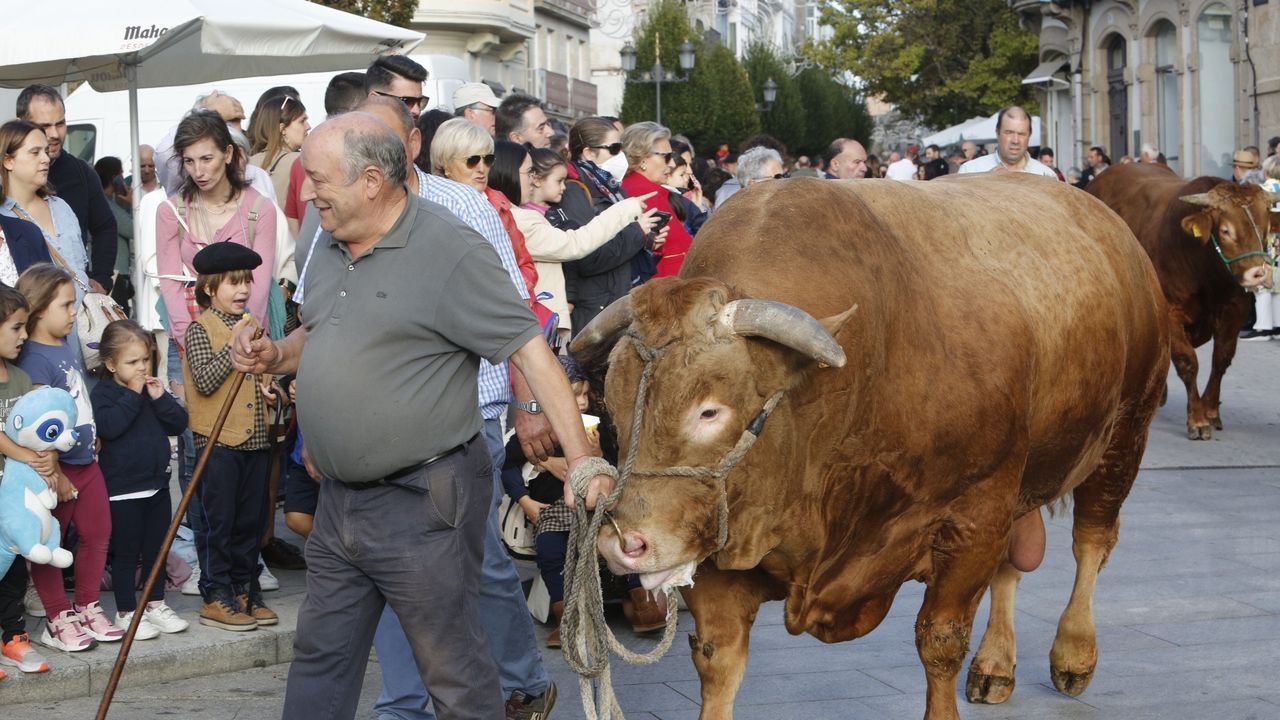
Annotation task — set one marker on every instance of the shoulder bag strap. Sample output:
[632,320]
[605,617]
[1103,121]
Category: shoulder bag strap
[253,219]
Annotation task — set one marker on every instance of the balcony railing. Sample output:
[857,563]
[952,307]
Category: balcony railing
[565,95]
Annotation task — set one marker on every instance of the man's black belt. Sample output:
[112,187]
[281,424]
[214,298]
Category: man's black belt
[405,472]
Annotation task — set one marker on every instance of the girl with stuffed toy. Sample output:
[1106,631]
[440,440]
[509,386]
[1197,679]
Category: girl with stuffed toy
[15,644]
[51,360]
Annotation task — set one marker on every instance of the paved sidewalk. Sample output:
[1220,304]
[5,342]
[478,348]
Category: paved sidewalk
[1188,615]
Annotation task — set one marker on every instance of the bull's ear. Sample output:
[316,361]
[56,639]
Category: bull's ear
[833,323]
[1198,226]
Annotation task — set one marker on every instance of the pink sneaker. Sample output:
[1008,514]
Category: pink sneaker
[65,633]
[96,624]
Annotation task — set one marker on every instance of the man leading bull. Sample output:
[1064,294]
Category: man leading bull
[407,482]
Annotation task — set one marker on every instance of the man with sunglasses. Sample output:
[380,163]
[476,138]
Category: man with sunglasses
[521,119]
[477,103]
[398,77]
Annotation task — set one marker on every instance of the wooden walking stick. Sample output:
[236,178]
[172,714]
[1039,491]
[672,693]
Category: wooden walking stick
[163,555]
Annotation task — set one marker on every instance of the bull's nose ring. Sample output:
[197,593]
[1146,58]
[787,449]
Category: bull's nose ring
[617,530]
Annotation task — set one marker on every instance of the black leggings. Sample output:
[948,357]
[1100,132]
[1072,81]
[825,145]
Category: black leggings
[137,531]
[552,547]
[13,586]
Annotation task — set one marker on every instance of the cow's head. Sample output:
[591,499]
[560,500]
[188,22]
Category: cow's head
[1235,219]
[719,360]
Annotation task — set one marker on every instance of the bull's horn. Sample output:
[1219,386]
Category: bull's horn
[1201,199]
[786,325]
[612,320]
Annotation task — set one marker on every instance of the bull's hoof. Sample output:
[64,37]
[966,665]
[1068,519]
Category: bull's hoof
[1072,683]
[1216,422]
[1199,432]
[988,689]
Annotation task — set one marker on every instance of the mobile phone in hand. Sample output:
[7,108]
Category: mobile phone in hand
[662,219]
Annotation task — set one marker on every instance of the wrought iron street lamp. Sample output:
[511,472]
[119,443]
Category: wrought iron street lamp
[659,75]
[770,94]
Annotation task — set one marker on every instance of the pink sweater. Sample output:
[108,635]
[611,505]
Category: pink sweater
[175,250]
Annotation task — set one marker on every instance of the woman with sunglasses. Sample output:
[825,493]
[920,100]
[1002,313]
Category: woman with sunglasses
[591,187]
[463,152]
[647,146]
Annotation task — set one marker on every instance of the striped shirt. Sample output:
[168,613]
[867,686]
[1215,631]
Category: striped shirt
[473,209]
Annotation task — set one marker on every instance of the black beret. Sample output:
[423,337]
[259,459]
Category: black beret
[223,257]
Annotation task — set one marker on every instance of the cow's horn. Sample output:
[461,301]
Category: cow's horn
[1201,199]
[786,325]
[612,320]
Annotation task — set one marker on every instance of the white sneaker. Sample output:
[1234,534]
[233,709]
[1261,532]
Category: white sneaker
[267,581]
[31,601]
[192,585]
[163,618]
[146,630]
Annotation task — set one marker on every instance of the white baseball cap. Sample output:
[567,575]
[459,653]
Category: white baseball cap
[473,93]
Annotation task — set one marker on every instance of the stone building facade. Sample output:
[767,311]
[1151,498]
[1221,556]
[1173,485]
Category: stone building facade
[1198,79]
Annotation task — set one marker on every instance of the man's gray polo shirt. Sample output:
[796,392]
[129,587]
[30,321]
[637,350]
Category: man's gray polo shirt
[388,374]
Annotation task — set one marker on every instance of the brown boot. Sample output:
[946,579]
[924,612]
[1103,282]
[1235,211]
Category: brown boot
[221,611]
[557,609]
[645,613]
[256,609]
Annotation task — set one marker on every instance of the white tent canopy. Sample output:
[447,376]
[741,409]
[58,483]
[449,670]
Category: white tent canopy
[181,42]
[977,129]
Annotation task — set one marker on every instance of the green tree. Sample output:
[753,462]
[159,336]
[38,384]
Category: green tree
[785,120]
[941,60]
[716,105]
[394,12]
[831,110]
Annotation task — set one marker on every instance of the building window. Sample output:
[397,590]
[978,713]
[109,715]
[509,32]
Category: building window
[1217,91]
[1167,114]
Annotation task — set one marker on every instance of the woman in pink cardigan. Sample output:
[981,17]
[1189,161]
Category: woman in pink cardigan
[215,204]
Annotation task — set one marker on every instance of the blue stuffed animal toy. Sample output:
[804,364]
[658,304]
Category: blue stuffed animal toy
[43,419]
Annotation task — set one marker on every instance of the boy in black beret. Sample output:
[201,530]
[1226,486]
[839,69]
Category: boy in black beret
[233,493]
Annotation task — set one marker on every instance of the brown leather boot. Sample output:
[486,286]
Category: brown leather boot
[251,604]
[645,613]
[557,609]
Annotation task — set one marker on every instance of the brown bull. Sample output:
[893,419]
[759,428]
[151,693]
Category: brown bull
[1206,240]
[1001,343]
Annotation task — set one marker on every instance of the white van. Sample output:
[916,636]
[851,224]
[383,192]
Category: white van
[98,123]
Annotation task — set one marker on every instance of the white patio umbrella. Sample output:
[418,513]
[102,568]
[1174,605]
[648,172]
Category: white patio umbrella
[158,43]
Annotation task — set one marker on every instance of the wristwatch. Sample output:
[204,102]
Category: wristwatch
[532,407]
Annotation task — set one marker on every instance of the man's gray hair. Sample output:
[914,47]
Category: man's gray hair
[376,144]
[752,161]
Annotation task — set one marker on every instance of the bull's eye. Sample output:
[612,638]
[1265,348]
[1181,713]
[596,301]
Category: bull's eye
[710,414]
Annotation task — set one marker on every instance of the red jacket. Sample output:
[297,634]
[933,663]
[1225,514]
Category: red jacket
[527,269]
[678,239]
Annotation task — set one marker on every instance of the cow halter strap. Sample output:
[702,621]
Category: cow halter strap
[588,638]
[1262,244]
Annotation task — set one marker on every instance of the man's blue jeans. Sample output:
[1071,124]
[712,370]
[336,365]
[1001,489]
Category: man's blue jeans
[504,616]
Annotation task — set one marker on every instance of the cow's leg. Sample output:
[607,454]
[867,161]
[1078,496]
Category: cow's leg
[1188,367]
[1225,336]
[991,673]
[724,606]
[946,617]
[1094,530]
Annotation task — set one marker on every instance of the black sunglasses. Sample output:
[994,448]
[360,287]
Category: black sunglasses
[409,101]
[475,160]
[664,155]
[613,148]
